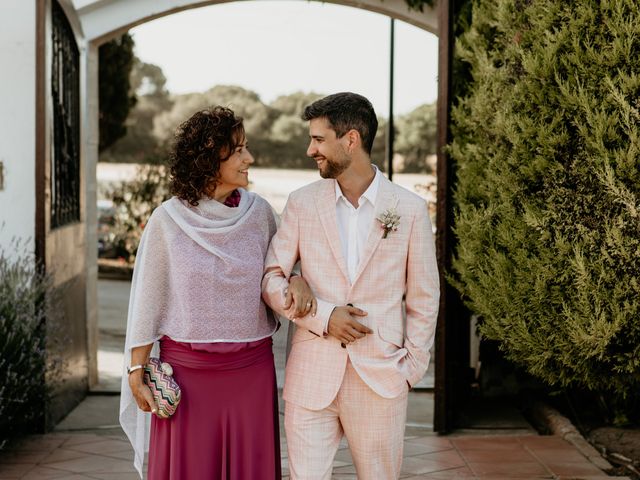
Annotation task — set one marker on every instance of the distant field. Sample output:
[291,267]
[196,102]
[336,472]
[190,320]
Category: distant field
[273,184]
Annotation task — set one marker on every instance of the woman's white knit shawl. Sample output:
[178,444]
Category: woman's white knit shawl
[196,279]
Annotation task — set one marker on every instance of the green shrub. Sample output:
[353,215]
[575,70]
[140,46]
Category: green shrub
[27,304]
[546,146]
[134,202]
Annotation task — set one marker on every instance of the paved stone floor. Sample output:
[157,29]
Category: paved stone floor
[107,455]
[89,444]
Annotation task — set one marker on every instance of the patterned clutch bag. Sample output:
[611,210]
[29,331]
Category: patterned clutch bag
[165,390]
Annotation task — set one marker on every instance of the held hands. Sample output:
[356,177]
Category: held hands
[299,300]
[344,326]
[141,392]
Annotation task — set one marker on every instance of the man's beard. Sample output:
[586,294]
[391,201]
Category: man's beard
[333,169]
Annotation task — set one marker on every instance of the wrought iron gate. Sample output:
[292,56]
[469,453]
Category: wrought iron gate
[65,91]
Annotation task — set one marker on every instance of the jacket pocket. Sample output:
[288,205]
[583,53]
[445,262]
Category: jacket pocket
[391,335]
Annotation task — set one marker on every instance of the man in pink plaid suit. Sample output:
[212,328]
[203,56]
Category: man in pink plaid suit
[363,244]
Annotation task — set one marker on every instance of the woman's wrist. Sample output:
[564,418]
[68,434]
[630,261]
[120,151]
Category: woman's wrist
[137,376]
[134,368]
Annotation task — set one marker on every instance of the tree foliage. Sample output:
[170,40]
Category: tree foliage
[245,103]
[278,137]
[419,4]
[139,144]
[116,99]
[547,151]
[416,137]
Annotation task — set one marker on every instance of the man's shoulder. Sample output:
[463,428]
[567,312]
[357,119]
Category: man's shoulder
[407,197]
[310,190]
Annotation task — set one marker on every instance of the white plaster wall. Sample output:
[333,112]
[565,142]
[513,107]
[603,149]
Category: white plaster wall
[18,121]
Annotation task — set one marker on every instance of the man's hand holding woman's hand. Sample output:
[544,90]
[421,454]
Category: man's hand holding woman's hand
[299,300]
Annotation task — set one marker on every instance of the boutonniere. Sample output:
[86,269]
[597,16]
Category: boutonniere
[389,221]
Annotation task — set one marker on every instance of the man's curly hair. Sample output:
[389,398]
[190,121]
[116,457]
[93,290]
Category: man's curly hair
[209,137]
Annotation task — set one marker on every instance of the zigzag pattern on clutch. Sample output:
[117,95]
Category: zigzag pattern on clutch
[165,391]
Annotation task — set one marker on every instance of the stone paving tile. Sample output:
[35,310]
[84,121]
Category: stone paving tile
[514,470]
[83,439]
[14,470]
[77,477]
[346,470]
[103,447]
[432,462]
[24,457]
[94,464]
[116,476]
[570,455]
[435,444]
[41,443]
[602,476]
[124,455]
[461,472]
[43,473]
[511,476]
[414,448]
[481,442]
[61,455]
[544,442]
[80,456]
[490,456]
[577,469]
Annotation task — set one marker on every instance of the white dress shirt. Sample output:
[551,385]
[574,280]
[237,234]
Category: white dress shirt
[354,224]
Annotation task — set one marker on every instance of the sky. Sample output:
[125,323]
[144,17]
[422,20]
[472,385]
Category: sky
[278,47]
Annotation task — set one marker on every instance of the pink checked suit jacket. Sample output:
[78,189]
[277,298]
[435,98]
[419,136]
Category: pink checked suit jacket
[404,263]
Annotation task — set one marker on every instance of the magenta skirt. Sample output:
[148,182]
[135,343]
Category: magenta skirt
[226,426]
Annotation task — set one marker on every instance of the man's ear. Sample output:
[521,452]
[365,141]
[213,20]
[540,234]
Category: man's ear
[354,140]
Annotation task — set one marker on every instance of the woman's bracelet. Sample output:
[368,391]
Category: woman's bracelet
[134,368]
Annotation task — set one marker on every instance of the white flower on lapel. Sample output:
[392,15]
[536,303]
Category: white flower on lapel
[389,221]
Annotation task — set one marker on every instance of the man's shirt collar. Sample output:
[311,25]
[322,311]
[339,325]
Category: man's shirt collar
[369,194]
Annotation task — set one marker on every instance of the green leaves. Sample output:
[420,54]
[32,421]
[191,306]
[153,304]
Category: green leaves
[27,305]
[116,98]
[546,150]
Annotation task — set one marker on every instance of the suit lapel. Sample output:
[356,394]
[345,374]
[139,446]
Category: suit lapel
[326,207]
[384,200]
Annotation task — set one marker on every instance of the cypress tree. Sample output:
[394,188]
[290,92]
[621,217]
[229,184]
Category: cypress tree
[548,214]
[115,96]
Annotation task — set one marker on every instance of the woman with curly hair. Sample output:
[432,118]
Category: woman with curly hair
[196,303]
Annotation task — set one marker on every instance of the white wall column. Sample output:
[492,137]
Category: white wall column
[18,120]
[91,125]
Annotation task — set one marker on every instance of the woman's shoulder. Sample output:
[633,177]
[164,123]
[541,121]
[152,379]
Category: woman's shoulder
[160,217]
[263,211]
[261,204]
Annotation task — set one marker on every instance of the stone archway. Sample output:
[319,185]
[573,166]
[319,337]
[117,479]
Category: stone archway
[102,20]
